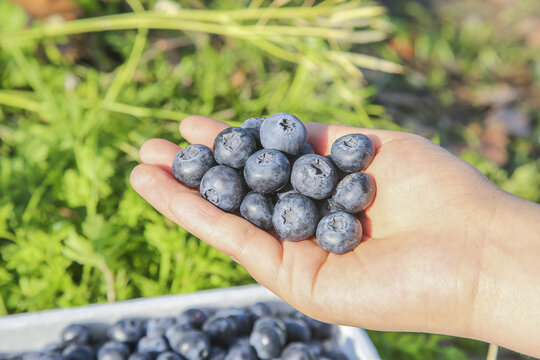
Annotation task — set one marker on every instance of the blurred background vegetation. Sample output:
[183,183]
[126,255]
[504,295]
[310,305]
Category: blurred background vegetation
[78,98]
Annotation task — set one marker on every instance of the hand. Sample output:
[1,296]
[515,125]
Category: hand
[418,266]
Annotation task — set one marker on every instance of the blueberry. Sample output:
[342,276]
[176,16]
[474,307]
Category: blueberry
[319,330]
[223,187]
[307,149]
[52,357]
[174,333]
[33,355]
[287,189]
[169,355]
[56,347]
[296,351]
[354,192]
[257,209]
[76,334]
[113,350]
[283,132]
[220,329]
[193,345]
[267,342]
[295,217]
[315,348]
[158,326]
[314,176]
[335,354]
[253,125]
[261,309]
[297,330]
[194,317]
[240,317]
[326,207]
[240,341]
[152,345]
[217,353]
[140,356]
[191,163]
[340,173]
[339,232]
[267,170]
[272,322]
[352,152]
[241,352]
[127,330]
[78,352]
[233,146]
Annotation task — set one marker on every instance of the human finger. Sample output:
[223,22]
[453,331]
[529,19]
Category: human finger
[159,152]
[156,186]
[201,129]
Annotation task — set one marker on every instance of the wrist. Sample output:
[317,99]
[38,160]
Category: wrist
[506,296]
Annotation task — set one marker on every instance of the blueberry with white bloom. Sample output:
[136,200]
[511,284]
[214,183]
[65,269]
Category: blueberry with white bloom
[169,355]
[76,334]
[295,217]
[267,171]
[354,193]
[352,152]
[223,187]
[193,345]
[339,232]
[241,352]
[113,350]
[152,345]
[191,163]
[257,209]
[297,351]
[233,146]
[158,326]
[314,176]
[127,330]
[195,317]
[283,132]
[253,125]
[267,342]
[297,330]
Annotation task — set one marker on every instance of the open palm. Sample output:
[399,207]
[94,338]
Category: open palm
[414,268]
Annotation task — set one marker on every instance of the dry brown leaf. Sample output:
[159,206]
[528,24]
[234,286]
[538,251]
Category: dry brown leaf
[493,143]
[43,9]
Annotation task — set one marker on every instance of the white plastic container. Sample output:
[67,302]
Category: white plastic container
[32,331]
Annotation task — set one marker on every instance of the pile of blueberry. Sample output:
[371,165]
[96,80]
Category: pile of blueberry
[293,190]
[249,333]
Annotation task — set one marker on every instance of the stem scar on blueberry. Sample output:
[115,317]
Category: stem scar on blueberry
[320,167]
[213,196]
[231,141]
[350,142]
[264,158]
[286,125]
[337,223]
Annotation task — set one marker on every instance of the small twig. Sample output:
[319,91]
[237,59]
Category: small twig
[126,71]
[109,280]
[492,352]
